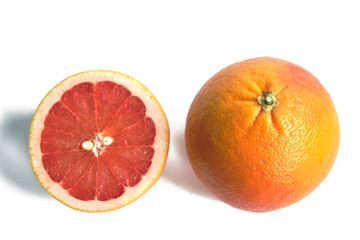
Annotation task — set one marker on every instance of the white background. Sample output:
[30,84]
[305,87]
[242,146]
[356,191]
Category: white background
[173,47]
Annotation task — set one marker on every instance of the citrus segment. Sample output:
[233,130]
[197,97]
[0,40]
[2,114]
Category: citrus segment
[109,98]
[80,101]
[132,111]
[60,119]
[98,141]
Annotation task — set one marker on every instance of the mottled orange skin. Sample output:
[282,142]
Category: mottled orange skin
[257,160]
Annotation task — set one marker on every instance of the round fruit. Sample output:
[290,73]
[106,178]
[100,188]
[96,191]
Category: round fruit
[262,134]
[98,141]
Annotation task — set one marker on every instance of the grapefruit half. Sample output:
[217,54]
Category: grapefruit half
[98,141]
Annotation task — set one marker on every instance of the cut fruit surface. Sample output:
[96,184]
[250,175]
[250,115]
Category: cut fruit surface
[98,141]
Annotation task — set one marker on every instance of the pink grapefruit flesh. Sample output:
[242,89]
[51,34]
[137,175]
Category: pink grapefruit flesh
[98,141]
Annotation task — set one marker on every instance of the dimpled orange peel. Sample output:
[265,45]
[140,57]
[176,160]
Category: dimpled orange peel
[262,134]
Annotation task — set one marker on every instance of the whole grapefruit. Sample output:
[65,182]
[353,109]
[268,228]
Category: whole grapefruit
[262,134]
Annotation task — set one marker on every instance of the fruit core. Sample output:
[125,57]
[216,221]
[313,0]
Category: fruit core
[97,145]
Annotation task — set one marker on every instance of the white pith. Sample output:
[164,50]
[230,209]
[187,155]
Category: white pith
[161,143]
